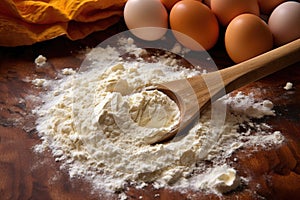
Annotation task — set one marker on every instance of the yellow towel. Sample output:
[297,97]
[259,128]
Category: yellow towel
[24,22]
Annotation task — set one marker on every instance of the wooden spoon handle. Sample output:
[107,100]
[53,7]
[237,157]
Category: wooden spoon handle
[241,74]
[263,65]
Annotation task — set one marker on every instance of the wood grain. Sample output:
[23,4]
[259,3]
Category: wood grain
[275,173]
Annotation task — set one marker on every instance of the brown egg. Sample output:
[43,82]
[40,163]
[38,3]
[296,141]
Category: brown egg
[267,6]
[197,24]
[170,3]
[247,36]
[226,10]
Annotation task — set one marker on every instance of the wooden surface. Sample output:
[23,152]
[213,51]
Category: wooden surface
[25,175]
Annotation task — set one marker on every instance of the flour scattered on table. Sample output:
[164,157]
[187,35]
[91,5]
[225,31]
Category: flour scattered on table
[40,61]
[68,71]
[288,86]
[99,127]
[39,82]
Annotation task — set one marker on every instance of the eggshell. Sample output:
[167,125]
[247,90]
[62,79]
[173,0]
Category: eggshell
[284,22]
[267,6]
[226,10]
[247,36]
[197,24]
[139,14]
[170,3]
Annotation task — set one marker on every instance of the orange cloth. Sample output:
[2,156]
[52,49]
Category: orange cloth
[24,22]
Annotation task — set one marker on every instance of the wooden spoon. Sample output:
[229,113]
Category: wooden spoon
[208,87]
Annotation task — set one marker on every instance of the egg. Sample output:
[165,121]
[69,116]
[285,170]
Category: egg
[226,10]
[170,3]
[193,23]
[247,36]
[284,22]
[146,19]
[267,6]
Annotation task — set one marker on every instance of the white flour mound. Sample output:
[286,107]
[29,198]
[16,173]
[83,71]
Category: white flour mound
[100,129]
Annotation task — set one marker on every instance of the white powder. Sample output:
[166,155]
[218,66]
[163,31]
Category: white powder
[68,71]
[221,179]
[38,82]
[146,115]
[288,86]
[99,128]
[241,104]
[40,61]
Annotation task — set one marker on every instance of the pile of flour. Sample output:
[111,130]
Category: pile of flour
[98,125]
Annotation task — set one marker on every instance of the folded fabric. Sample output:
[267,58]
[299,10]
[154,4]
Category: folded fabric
[24,22]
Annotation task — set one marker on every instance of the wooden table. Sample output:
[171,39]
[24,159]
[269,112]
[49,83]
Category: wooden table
[27,175]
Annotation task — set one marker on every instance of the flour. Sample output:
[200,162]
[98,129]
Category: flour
[99,127]
[288,86]
[40,61]
[221,179]
[146,115]
[68,71]
[38,82]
